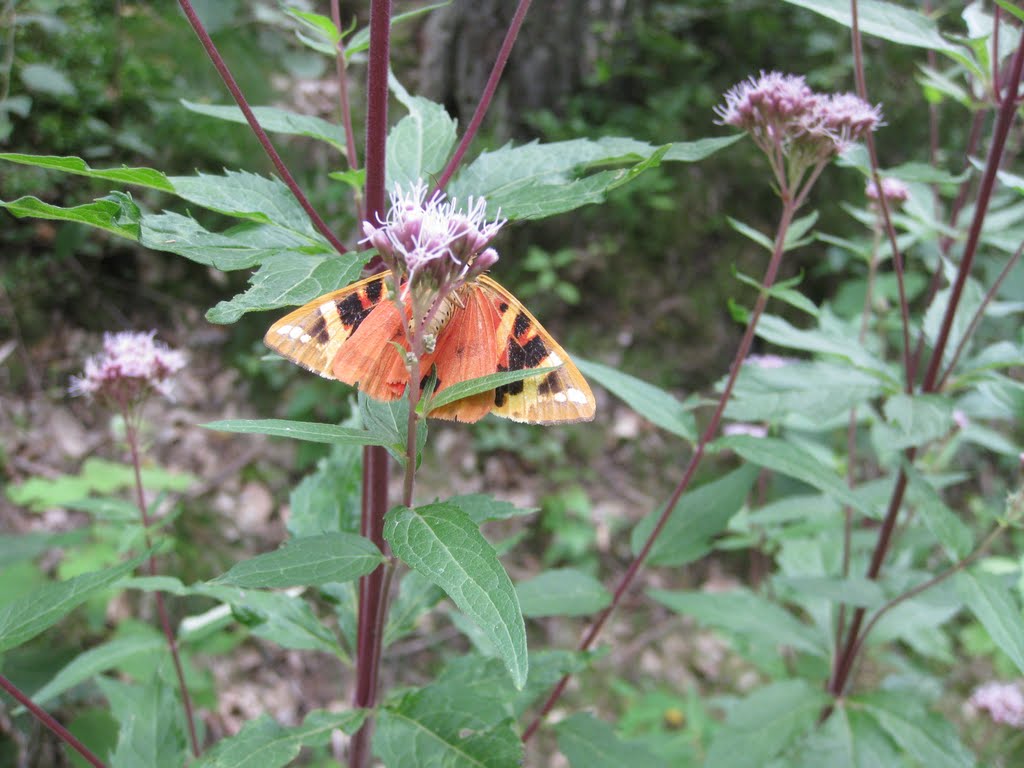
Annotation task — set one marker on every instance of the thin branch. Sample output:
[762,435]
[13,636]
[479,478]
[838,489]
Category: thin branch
[979,315]
[344,105]
[789,210]
[261,135]
[132,436]
[488,94]
[883,205]
[48,720]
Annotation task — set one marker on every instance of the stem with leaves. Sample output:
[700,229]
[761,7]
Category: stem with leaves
[132,436]
[373,587]
[791,204]
[1004,119]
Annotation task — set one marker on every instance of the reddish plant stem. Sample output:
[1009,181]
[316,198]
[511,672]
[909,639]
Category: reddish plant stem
[257,129]
[375,459]
[979,315]
[487,95]
[789,210]
[883,204]
[132,436]
[1001,129]
[48,720]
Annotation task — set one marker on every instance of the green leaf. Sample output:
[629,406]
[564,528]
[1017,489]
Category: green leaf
[787,459]
[443,725]
[856,591]
[848,739]
[745,614]
[241,247]
[992,603]
[654,404]
[276,120]
[751,233]
[15,548]
[249,196]
[911,420]
[309,561]
[388,422]
[25,618]
[441,542]
[885,20]
[43,78]
[420,143]
[481,507]
[287,279]
[491,381]
[416,596]
[263,743]
[969,302]
[804,395]
[766,723]
[562,592]
[152,729]
[322,26]
[360,41]
[115,213]
[590,743]
[826,340]
[954,536]
[927,737]
[98,659]
[143,177]
[328,499]
[281,617]
[700,515]
[538,180]
[310,431]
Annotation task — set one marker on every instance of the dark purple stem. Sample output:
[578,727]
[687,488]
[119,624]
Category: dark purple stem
[789,210]
[261,135]
[1004,119]
[132,436]
[47,719]
[488,94]
[883,204]
[372,596]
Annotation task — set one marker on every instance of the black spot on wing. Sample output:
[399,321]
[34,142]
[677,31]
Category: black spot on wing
[351,310]
[550,384]
[534,352]
[503,307]
[522,325]
[374,290]
[318,330]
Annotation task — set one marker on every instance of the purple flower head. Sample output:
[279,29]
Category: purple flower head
[797,128]
[1004,702]
[845,118]
[130,365]
[430,241]
[894,190]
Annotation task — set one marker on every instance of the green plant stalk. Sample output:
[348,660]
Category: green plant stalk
[369,633]
[132,436]
[1000,132]
[345,106]
[48,720]
[791,203]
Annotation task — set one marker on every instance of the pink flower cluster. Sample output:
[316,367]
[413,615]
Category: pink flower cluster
[131,364]
[431,240]
[1004,702]
[894,190]
[783,115]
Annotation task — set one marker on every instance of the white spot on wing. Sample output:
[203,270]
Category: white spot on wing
[295,332]
[284,330]
[327,308]
[305,338]
[576,396]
